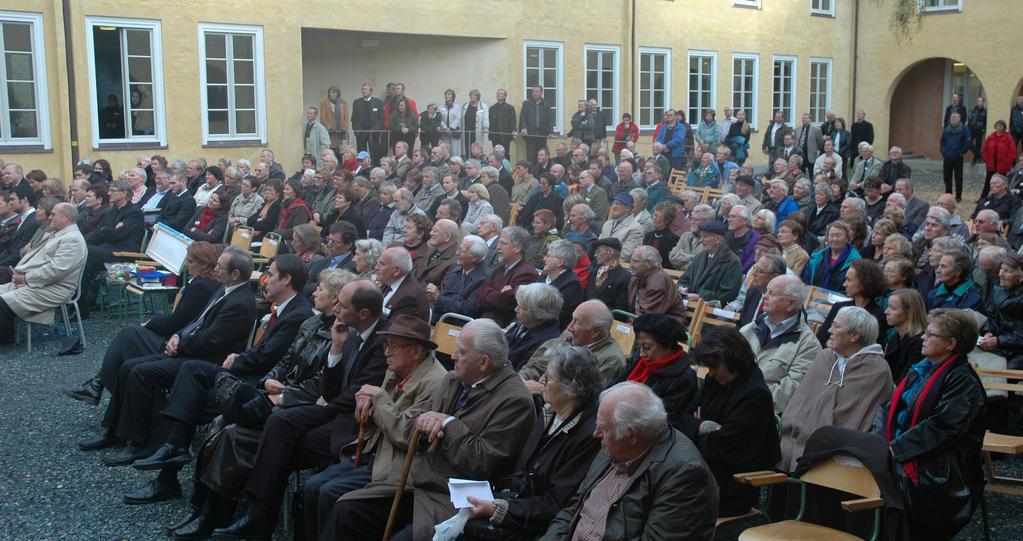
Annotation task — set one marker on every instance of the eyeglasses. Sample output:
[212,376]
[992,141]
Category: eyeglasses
[546,378]
[929,334]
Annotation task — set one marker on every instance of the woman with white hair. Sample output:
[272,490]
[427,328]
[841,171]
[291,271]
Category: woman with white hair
[538,306]
[367,253]
[764,222]
[479,206]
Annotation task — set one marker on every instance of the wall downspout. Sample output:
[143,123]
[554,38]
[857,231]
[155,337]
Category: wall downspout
[69,59]
[855,56]
[632,66]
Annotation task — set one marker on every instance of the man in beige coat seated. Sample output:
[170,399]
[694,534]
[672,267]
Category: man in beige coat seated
[46,277]
[590,328]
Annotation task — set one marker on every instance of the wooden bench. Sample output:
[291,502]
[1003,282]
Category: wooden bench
[994,442]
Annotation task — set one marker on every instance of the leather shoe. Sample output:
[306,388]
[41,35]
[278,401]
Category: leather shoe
[126,456]
[105,441]
[89,392]
[166,456]
[192,515]
[249,527]
[200,528]
[153,492]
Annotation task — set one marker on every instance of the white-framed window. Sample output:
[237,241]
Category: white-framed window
[126,70]
[745,85]
[654,86]
[747,3]
[231,83]
[603,79]
[24,113]
[783,87]
[543,64]
[820,88]
[703,66]
[822,7]
[931,6]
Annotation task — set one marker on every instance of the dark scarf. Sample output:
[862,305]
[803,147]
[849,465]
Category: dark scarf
[830,266]
[308,128]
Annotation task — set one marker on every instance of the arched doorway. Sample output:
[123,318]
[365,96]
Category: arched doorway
[918,103]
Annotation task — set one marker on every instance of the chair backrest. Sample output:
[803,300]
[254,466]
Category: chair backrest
[271,244]
[677,176]
[711,195]
[818,304]
[995,379]
[676,188]
[625,335]
[845,473]
[705,314]
[515,208]
[242,237]
[447,331]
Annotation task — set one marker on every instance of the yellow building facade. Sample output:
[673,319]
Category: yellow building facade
[229,79]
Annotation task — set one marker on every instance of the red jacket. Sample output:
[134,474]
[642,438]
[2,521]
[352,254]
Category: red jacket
[999,152]
[387,112]
[621,137]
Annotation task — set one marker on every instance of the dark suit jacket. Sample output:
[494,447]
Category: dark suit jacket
[146,196]
[273,217]
[194,297]
[431,212]
[861,131]
[320,264]
[459,292]
[410,298]
[128,237]
[224,330]
[749,306]
[571,291]
[435,273]
[366,207]
[177,210]
[523,342]
[368,369]
[25,191]
[500,305]
[500,201]
[367,115]
[614,292]
[12,254]
[256,361]
[351,216]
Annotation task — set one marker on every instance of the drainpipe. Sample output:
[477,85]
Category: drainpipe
[856,55]
[69,59]
[632,65]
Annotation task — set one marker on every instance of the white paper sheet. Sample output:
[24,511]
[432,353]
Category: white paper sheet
[461,489]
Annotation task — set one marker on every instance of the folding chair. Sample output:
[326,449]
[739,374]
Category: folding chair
[242,237]
[268,249]
[447,331]
[622,331]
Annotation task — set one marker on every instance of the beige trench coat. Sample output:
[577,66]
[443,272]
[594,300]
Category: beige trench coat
[51,274]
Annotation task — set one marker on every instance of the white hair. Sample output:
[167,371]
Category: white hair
[540,301]
[489,340]
[477,247]
[861,322]
[640,409]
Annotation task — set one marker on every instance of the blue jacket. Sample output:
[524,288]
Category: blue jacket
[964,296]
[813,272]
[677,144]
[655,194]
[786,207]
[955,143]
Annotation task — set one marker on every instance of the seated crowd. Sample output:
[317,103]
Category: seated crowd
[579,439]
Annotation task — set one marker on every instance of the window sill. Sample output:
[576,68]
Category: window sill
[940,11]
[24,149]
[746,6]
[822,14]
[234,144]
[142,145]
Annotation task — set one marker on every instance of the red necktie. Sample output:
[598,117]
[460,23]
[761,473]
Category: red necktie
[269,324]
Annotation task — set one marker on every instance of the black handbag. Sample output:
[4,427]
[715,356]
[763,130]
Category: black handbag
[241,402]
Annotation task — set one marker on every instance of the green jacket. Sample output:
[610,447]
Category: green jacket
[714,279]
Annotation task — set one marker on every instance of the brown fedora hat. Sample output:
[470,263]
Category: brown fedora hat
[410,328]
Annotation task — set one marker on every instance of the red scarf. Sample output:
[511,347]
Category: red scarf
[287,211]
[645,367]
[205,216]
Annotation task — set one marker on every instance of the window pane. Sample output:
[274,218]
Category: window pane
[243,72]
[216,72]
[549,81]
[19,67]
[218,123]
[142,123]
[245,122]
[21,95]
[142,96]
[216,46]
[550,58]
[242,46]
[216,97]
[18,37]
[140,70]
[23,124]
[138,42]
[245,97]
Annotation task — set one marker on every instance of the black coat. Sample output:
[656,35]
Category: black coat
[224,330]
[368,369]
[537,201]
[872,307]
[902,353]
[194,297]
[817,222]
[1004,322]
[663,241]
[459,292]
[367,114]
[89,220]
[127,237]
[22,236]
[273,217]
[256,361]
[747,440]
[676,385]
[521,348]
[614,292]
[351,216]
[571,291]
[177,210]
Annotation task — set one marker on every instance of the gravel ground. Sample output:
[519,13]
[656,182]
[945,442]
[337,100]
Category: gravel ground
[51,490]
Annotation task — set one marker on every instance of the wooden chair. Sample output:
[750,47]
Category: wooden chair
[268,249]
[515,208]
[706,314]
[818,304]
[994,442]
[622,331]
[445,333]
[678,176]
[711,195]
[242,237]
[842,473]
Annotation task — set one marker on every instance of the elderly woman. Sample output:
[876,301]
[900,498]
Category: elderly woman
[934,425]
[874,250]
[802,194]
[247,204]
[907,319]
[417,233]
[609,282]
[663,364]
[214,180]
[827,267]
[898,273]
[843,387]
[823,212]
[896,245]
[955,287]
[937,224]
[639,209]
[536,321]
[210,222]
[789,233]
[378,220]
[305,242]
[661,237]
[343,211]
[479,206]
[269,215]
[764,221]
[725,205]
[926,276]
[367,253]
[732,421]
[864,283]
[554,459]
[1002,333]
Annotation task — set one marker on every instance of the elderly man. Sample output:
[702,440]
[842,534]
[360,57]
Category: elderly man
[433,269]
[557,268]
[122,231]
[481,416]
[715,273]
[689,245]
[780,203]
[496,297]
[14,181]
[314,434]
[460,286]
[489,229]
[829,152]
[985,276]
[893,169]
[316,138]
[955,142]
[844,385]
[916,208]
[651,290]
[366,201]
[957,227]
[782,341]
[623,225]
[744,190]
[646,467]
[810,141]
[581,221]
[403,208]
[590,328]
[593,195]
[999,200]
[864,166]
[430,188]
[762,272]
[46,277]
[741,238]
[403,294]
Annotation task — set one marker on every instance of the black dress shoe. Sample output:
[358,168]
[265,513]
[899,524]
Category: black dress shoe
[89,392]
[200,528]
[153,492]
[250,526]
[103,442]
[166,456]
[193,515]
[126,456]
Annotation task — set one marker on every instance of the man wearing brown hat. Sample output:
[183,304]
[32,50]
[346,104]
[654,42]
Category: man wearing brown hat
[715,273]
[389,411]
[744,189]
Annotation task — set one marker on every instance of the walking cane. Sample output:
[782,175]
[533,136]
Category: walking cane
[361,441]
[404,478]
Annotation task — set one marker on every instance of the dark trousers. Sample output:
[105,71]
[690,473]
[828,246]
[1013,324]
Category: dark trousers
[977,144]
[192,399]
[8,323]
[677,162]
[953,167]
[322,490]
[129,343]
[293,439]
[118,393]
[987,184]
[370,142]
[533,145]
[360,520]
[1017,136]
[146,381]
